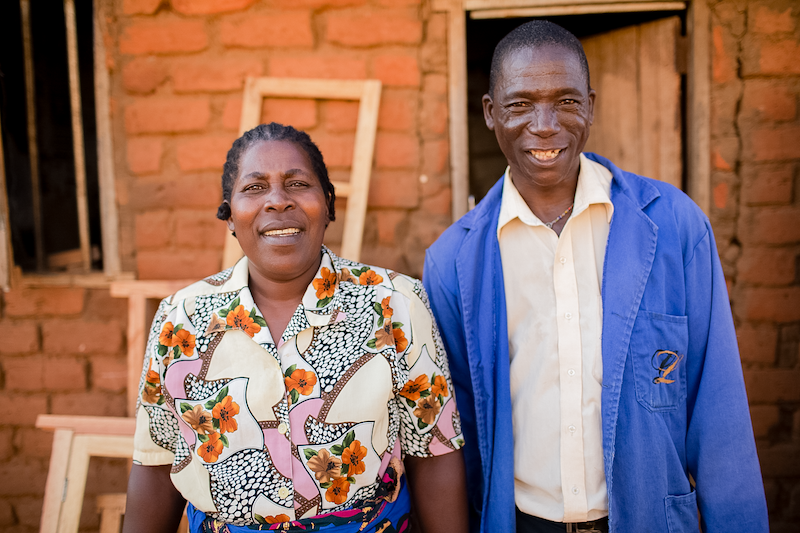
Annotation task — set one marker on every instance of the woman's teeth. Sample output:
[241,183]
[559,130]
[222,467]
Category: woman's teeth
[287,231]
[545,155]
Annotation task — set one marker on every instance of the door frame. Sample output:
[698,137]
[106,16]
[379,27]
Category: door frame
[698,157]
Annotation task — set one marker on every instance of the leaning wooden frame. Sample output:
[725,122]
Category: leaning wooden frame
[368,93]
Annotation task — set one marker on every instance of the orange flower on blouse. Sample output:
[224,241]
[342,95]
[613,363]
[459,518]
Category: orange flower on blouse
[326,285]
[387,311]
[151,394]
[185,341]
[277,519]
[337,492]
[166,337]
[302,381]
[353,456]
[224,411]
[210,449]
[412,389]
[200,420]
[240,319]
[427,409]
[439,386]
[369,278]
[401,343]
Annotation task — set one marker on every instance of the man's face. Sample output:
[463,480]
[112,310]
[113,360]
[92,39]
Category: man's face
[541,112]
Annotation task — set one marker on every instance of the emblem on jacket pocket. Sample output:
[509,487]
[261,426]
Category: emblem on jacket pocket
[665,361]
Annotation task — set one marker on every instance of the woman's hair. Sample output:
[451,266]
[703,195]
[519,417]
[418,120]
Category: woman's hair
[273,132]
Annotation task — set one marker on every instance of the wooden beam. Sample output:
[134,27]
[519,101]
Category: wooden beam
[79,154]
[698,131]
[94,425]
[576,9]
[55,486]
[457,100]
[109,221]
[6,253]
[33,147]
[146,288]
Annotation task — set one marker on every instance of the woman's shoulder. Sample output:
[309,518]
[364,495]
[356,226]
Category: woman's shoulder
[360,274]
[229,280]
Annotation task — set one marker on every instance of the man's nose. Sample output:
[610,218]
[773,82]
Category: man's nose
[544,121]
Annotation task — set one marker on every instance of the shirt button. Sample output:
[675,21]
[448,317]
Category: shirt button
[571,429]
[568,316]
[283,428]
[563,260]
[575,491]
[283,492]
[571,372]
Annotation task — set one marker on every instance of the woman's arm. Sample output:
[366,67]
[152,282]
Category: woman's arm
[154,504]
[439,491]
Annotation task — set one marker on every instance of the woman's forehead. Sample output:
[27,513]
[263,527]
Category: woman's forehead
[274,156]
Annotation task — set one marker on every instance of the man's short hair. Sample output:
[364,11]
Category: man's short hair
[531,35]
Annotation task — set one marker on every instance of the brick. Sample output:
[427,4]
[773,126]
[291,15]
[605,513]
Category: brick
[764,417]
[433,57]
[438,203]
[144,154]
[44,302]
[153,229]
[78,336]
[281,29]
[201,153]
[725,100]
[397,111]
[206,75]
[167,115]
[232,113]
[199,229]
[109,373]
[768,100]
[192,191]
[772,385]
[28,474]
[396,150]
[6,512]
[436,28]
[725,153]
[317,3]
[394,188]
[397,69]
[435,156]
[720,195]
[24,373]
[299,112]
[767,266]
[177,264]
[29,510]
[435,84]
[18,337]
[434,115]
[779,461]
[140,7]
[773,143]
[318,65]
[371,28]
[723,60]
[22,409]
[144,74]
[341,115]
[64,374]
[770,303]
[758,343]
[386,221]
[163,37]
[337,149]
[770,184]
[207,7]
[765,20]
[89,403]
[101,305]
[779,57]
[770,225]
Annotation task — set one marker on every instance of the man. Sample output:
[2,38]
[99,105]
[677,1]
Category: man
[588,326]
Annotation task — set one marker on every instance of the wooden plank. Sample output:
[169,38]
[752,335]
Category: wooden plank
[33,147]
[660,108]
[251,106]
[137,343]
[698,132]
[472,5]
[147,288]
[79,155]
[6,253]
[92,280]
[310,88]
[98,425]
[457,103]
[576,9]
[56,479]
[361,169]
[111,508]
[109,221]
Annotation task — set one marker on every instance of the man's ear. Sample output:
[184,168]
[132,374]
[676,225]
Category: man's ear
[592,97]
[488,107]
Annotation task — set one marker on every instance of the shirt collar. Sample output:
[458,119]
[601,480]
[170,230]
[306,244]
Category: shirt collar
[594,187]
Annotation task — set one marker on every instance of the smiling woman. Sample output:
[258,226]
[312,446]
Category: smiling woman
[276,392]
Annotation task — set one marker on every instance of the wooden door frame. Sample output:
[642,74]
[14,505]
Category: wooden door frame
[698,157]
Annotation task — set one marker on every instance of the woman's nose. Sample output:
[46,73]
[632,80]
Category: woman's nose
[278,199]
[544,121]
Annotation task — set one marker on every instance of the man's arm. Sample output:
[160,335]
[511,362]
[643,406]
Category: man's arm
[154,504]
[438,488]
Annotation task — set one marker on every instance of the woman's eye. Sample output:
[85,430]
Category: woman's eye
[254,187]
[297,184]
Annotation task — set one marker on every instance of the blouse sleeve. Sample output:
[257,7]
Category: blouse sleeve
[156,426]
[430,423]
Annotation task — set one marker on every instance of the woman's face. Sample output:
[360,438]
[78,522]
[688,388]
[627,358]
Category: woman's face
[278,210]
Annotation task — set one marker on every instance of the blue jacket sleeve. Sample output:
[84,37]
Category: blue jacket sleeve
[720,447]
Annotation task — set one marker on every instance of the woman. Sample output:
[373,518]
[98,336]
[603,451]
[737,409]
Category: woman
[284,392]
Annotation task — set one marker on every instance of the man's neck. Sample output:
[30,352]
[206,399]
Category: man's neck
[547,202]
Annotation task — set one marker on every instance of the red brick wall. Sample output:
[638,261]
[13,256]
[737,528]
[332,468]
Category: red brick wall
[756,216]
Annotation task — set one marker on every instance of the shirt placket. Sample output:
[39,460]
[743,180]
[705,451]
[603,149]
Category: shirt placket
[573,482]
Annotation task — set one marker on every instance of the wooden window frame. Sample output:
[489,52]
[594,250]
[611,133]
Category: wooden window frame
[10,275]
[698,120]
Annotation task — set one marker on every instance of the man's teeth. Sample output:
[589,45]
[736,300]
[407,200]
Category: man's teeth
[287,231]
[544,155]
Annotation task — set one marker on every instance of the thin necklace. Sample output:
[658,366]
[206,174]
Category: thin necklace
[559,217]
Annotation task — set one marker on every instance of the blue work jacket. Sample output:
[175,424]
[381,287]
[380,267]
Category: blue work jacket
[669,449]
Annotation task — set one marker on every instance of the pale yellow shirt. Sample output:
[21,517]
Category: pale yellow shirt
[555,316]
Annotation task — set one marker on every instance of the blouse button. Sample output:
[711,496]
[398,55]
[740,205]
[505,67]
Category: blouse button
[283,428]
[283,492]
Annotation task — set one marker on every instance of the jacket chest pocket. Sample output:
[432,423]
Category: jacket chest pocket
[657,350]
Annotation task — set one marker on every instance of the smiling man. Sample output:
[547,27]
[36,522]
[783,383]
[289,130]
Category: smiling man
[588,326]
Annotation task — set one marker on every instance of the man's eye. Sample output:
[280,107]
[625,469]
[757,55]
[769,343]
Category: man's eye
[518,104]
[569,101]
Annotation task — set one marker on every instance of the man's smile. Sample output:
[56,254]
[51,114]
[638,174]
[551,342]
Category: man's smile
[545,155]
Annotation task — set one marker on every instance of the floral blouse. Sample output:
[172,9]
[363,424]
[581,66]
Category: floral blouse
[265,431]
